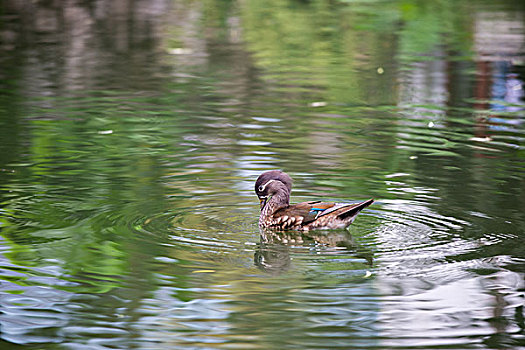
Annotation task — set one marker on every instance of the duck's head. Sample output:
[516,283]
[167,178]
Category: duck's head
[271,182]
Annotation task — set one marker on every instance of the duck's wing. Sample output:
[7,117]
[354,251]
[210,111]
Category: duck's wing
[302,213]
[344,210]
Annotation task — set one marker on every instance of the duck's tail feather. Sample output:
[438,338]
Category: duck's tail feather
[352,211]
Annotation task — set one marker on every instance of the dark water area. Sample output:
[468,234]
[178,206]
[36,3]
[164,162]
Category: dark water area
[132,132]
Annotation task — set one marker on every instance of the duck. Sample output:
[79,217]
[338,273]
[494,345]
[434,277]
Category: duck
[273,189]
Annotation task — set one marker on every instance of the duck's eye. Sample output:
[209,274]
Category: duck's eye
[261,188]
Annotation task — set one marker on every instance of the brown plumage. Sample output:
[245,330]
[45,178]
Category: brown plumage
[273,189]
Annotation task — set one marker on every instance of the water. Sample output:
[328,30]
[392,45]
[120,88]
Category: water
[131,138]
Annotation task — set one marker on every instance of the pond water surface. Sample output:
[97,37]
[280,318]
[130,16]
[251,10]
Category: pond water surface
[131,136]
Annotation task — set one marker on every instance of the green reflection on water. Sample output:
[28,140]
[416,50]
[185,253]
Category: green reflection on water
[92,169]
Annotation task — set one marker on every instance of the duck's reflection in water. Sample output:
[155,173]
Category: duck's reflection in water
[273,254]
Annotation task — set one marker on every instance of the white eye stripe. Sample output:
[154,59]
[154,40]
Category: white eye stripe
[262,187]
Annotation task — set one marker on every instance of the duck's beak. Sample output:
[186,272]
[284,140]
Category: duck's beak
[262,201]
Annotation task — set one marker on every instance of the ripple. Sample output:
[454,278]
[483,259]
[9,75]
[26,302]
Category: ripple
[205,227]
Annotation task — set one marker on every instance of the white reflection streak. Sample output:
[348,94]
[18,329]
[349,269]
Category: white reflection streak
[439,315]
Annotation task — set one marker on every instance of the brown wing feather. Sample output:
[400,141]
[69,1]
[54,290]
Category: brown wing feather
[301,212]
[353,209]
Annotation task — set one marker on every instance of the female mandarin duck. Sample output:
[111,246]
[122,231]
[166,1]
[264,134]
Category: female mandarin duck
[273,189]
